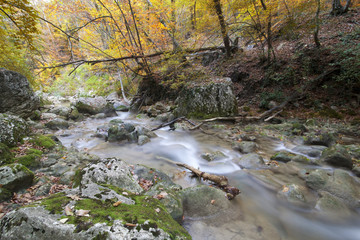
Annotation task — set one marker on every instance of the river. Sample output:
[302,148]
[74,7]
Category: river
[256,213]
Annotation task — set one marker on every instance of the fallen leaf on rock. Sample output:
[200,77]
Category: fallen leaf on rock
[212,202]
[130,224]
[68,211]
[63,220]
[117,203]
[82,213]
[285,189]
[74,197]
[157,210]
[125,193]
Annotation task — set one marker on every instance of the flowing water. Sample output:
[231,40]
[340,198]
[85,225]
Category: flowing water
[256,213]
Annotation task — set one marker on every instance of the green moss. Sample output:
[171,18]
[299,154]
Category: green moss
[56,203]
[34,151]
[331,113]
[77,178]
[5,194]
[43,141]
[6,155]
[30,160]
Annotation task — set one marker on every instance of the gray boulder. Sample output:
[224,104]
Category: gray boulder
[311,151]
[337,156]
[205,201]
[250,161]
[12,129]
[245,146]
[15,176]
[324,139]
[293,193]
[94,106]
[120,131]
[332,205]
[16,95]
[57,123]
[213,99]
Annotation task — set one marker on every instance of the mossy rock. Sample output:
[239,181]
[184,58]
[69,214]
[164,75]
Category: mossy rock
[15,176]
[43,141]
[6,155]
[31,161]
[283,156]
[147,213]
[5,194]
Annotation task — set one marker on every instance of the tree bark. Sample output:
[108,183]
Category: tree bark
[317,25]
[222,23]
[338,9]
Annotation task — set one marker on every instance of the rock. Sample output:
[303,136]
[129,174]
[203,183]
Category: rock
[215,156]
[205,201]
[337,156]
[250,161]
[94,106]
[112,171]
[61,111]
[245,146]
[283,156]
[74,114]
[293,193]
[100,116]
[57,123]
[5,155]
[143,139]
[12,129]
[15,176]
[332,205]
[324,139]
[356,171]
[311,151]
[48,116]
[213,99]
[317,179]
[16,95]
[112,97]
[20,224]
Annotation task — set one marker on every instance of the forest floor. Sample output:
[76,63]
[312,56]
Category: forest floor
[326,78]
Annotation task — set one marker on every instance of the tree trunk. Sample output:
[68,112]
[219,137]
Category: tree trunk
[224,34]
[317,25]
[338,9]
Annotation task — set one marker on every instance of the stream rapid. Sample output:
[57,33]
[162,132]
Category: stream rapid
[256,213]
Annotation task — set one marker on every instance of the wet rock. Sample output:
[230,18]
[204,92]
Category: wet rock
[317,179]
[332,205]
[94,106]
[16,95]
[245,146]
[15,176]
[74,114]
[283,156]
[100,116]
[356,171]
[119,131]
[337,156]
[12,129]
[311,151]
[57,123]
[112,171]
[48,116]
[208,100]
[215,156]
[293,193]
[205,201]
[324,139]
[250,161]
[61,111]
[143,140]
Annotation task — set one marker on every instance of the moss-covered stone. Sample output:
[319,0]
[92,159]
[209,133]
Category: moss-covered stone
[15,176]
[146,213]
[6,155]
[283,156]
[43,141]
[34,151]
[77,178]
[30,161]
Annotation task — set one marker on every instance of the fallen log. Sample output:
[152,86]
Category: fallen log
[171,123]
[220,181]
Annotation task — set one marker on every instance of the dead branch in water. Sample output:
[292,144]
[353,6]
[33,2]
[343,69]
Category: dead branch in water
[171,123]
[220,181]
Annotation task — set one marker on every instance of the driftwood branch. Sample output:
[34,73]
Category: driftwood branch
[221,181]
[171,123]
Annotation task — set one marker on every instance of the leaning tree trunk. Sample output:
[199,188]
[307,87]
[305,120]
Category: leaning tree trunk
[224,33]
[338,9]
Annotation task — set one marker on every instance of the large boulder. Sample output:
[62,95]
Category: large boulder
[15,176]
[16,95]
[337,156]
[211,99]
[12,129]
[95,105]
